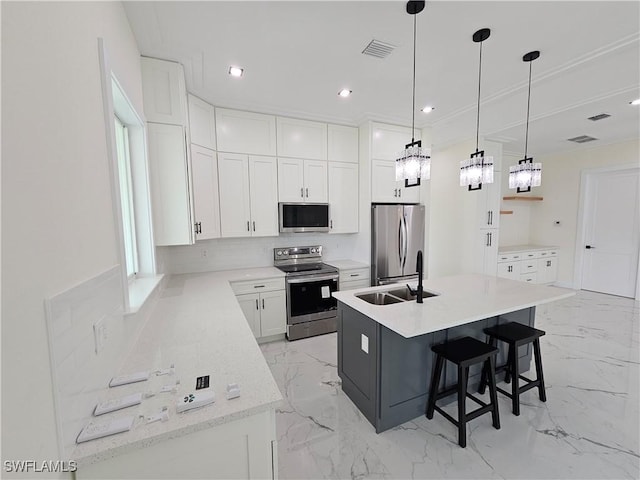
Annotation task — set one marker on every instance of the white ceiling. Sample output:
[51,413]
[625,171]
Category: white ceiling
[297,55]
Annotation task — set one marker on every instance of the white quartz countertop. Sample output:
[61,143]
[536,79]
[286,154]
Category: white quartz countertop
[197,325]
[346,264]
[462,299]
[525,248]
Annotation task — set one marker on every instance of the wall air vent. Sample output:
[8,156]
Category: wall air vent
[378,49]
[582,139]
[600,116]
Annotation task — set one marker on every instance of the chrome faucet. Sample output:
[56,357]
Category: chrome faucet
[418,291]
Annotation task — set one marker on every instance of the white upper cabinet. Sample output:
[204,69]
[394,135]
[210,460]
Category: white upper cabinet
[204,174]
[302,139]
[342,144]
[263,181]
[387,141]
[248,195]
[385,189]
[164,91]
[302,180]
[202,123]
[343,197]
[170,193]
[245,132]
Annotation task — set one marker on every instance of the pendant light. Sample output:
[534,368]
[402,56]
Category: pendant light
[478,169]
[412,162]
[526,173]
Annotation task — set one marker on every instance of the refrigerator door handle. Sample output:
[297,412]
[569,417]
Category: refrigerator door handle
[406,243]
[400,241]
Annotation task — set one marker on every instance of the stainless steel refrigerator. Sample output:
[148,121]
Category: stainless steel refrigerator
[397,233]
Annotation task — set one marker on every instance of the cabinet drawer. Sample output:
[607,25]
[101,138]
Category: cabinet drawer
[547,253]
[354,284]
[529,277]
[528,266]
[529,255]
[508,257]
[257,286]
[352,275]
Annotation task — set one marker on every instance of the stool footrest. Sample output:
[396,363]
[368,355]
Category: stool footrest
[479,411]
[446,415]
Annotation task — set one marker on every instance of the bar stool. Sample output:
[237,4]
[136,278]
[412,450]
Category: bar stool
[515,335]
[463,352]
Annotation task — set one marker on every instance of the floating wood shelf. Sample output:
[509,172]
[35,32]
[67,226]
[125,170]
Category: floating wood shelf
[506,212]
[526,198]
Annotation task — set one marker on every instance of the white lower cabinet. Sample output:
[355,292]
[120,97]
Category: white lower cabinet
[264,305]
[351,278]
[484,255]
[248,195]
[385,188]
[343,197]
[170,185]
[534,266]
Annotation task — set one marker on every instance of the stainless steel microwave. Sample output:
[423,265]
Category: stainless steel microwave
[304,217]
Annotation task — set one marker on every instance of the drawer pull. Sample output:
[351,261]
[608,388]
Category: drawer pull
[258,286]
[354,275]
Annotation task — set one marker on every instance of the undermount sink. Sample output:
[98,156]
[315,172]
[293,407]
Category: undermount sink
[390,297]
[378,298]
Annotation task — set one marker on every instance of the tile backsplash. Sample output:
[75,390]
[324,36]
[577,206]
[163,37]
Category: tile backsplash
[79,374]
[230,253]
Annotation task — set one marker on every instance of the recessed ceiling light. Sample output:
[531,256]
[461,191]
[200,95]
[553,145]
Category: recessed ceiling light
[635,102]
[236,71]
[345,92]
[428,109]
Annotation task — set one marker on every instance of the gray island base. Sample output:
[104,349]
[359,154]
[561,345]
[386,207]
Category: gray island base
[390,383]
[385,360]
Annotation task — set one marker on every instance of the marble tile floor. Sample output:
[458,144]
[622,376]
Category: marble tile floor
[587,429]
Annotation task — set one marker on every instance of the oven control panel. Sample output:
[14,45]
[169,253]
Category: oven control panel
[285,253]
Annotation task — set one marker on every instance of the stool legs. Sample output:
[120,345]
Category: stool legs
[540,377]
[493,394]
[507,370]
[463,377]
[515,390]
[433,389]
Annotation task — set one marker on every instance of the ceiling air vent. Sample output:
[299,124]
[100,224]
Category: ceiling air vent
[378,49]
[600,116]
[582,139]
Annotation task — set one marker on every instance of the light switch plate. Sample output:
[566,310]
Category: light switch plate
[364,343]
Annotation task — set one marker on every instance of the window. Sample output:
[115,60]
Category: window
[126,198]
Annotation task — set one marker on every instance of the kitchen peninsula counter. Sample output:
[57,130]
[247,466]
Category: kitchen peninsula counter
[384,351]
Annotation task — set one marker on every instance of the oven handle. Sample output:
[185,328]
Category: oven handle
[313,278]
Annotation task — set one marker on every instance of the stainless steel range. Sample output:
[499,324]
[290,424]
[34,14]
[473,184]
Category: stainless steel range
[311,308]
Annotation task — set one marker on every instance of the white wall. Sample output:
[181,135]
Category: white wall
[514,228]
[57,218]
[561,191]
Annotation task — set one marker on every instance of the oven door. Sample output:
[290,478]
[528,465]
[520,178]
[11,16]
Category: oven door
[310,297]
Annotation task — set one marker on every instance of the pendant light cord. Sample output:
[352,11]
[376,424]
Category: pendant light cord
[413,98]
[478,115]
[526,135]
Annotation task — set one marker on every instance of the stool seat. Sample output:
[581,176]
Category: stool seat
[514,332]
[464,352]
[516,335]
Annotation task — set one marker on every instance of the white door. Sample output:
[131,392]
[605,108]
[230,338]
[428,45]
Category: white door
[235,211]
[263,181]
[343,197]
[384,188]
[315,181]
[169,176]
[204,173]
[290,180]
[250,305]
[273,316]
[611,240]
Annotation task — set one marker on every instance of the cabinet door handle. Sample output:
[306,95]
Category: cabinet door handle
[254,225]
[488,217]
[487,243]
[307,193]
[548,263]
[395,192]
[248,229]
[399,192]
[257,308]
[263,303]
[301,192]
[331,224]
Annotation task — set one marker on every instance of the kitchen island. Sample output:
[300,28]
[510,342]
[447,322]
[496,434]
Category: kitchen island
[384,351]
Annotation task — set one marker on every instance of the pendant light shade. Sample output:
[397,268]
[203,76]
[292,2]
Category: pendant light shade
[477,169]
[413,163]
[526,173]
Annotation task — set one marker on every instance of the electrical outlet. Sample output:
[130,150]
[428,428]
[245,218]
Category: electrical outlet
[204,252]
[99,334]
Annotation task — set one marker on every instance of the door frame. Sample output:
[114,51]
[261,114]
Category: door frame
[585,175]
